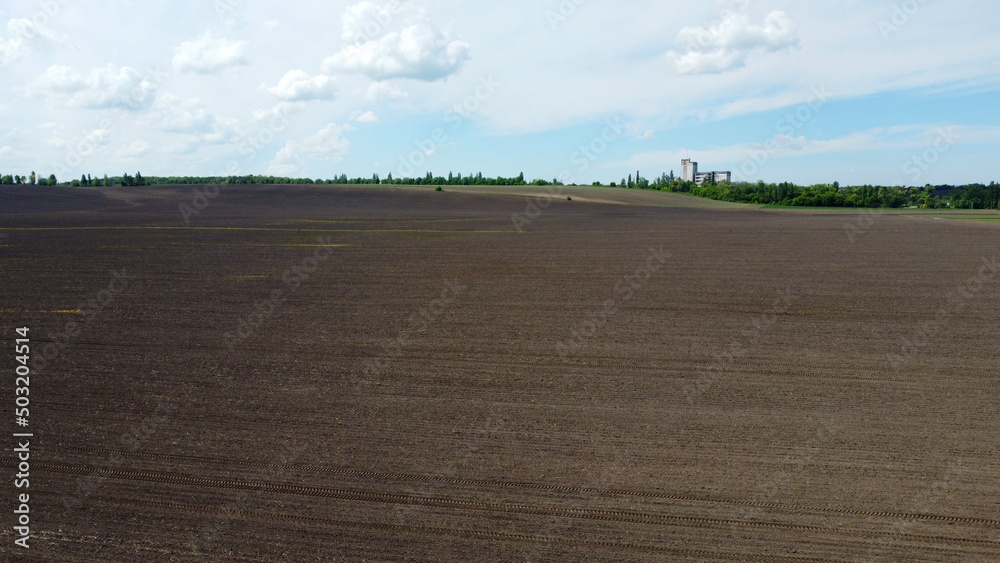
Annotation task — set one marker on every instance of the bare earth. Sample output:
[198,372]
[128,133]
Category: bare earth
[360,374]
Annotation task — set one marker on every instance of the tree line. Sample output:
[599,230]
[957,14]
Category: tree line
[139,180]
[970,196]
[85,180]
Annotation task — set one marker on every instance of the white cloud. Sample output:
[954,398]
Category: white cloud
[177,115]
[727,44]
[12,47]
[61,79]
[365,21]
[102,88]
[206,55]
[902,138]
[419,49]
[297,85]
[85,143]
[56,141]
[647,135]
[134,149]
[5,149]
[381,91]
[787,142]
[194,120]
[20,32]
[280,110]
[366,117]
[10,50]
[326,144]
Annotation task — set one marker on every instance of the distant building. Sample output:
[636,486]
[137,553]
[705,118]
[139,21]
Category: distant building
[689,173]
[717,177]
[688,170]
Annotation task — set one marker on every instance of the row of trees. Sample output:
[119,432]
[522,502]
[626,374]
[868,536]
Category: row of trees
[30,179]
[456,180]
[85,180]
[976,196]
[428,179]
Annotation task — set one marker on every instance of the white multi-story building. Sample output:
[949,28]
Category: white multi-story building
[688,170]
[717,177]
[689,173]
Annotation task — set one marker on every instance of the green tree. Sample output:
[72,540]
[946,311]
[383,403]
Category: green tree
[993,196]
[31,179]
[52,179]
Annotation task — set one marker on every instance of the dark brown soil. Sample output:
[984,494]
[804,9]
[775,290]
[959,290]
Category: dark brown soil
[442,387]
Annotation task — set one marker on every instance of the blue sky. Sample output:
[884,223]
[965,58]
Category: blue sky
[901,93]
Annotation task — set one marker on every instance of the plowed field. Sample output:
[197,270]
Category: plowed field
[344,374]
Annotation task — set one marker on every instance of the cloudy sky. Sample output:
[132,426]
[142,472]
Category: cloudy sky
[854,91]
